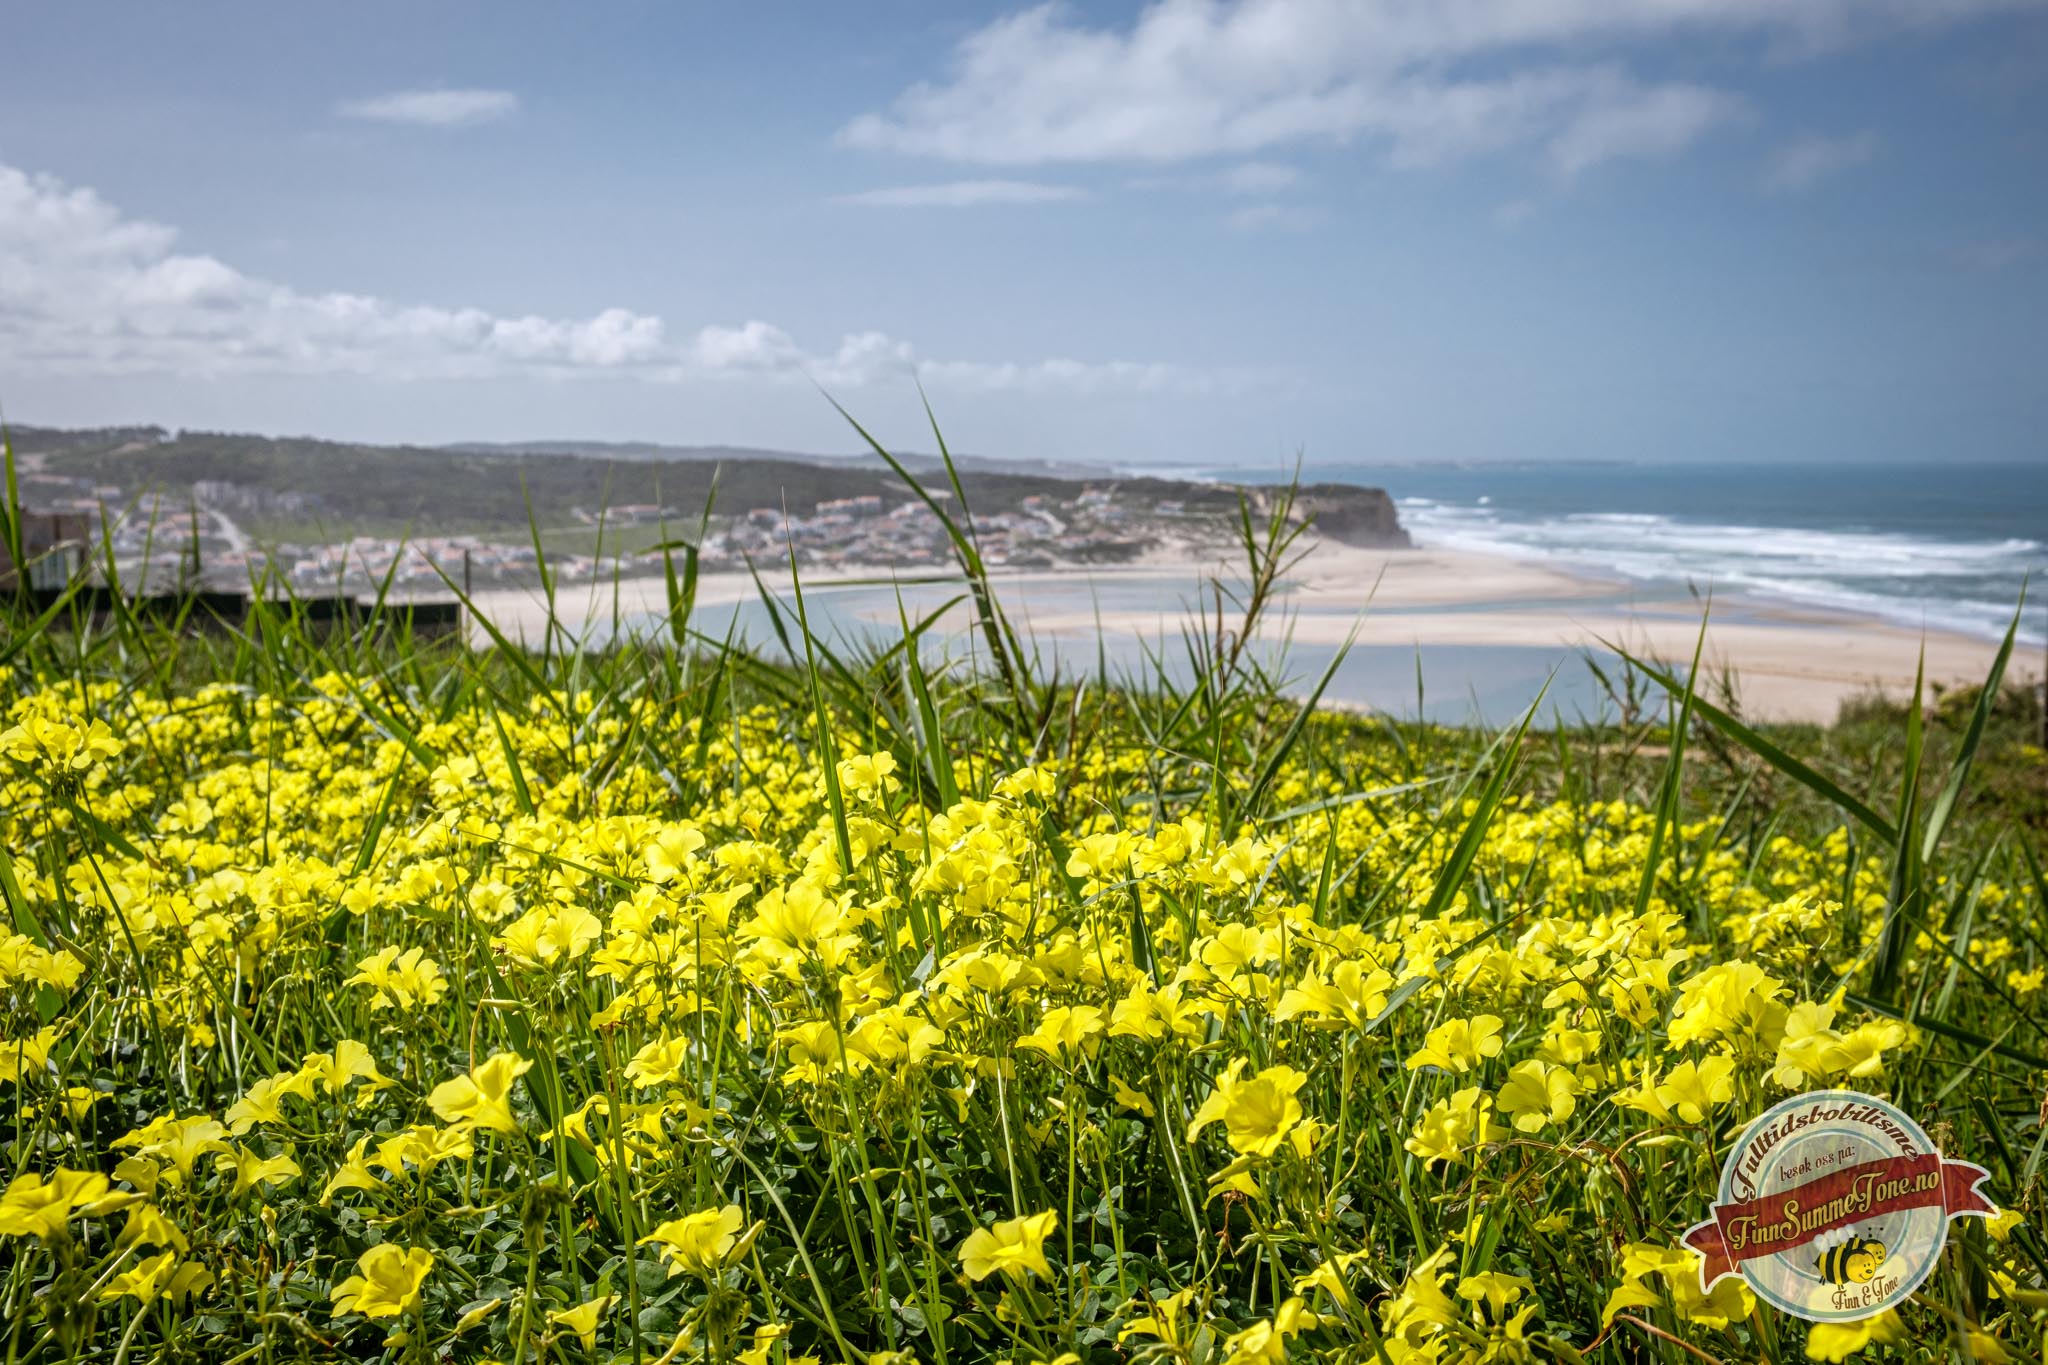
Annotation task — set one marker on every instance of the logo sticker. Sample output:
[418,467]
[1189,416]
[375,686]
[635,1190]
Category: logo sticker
[1834,1206]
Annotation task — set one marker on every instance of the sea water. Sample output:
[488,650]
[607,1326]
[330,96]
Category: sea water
[1944,547]
[1940,545]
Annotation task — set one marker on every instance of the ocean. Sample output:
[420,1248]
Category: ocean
[1942,545]
[1947,547]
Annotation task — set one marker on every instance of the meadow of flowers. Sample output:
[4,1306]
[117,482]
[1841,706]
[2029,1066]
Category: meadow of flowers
[380,1000]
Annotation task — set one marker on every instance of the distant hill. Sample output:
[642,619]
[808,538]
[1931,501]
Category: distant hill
[299,488]
[650,451]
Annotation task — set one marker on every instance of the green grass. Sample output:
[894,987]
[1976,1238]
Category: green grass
[869,946]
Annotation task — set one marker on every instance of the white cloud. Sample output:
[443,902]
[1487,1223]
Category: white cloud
[87,290]
[1073,376]
[433,108]
[960,194]
[1260,177]
[1638,123]
[1258,217]
[1427,80]
[1255,217]
[1804,160]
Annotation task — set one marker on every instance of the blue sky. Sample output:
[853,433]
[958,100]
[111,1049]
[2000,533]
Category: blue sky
[1381,230]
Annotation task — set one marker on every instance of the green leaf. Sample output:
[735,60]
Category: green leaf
[1770,752]
[1474,834]
[1987,697]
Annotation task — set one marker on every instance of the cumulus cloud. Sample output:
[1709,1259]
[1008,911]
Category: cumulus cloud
[433,108]
[1804,160]
[960,194]
[1427,80]
[84,289]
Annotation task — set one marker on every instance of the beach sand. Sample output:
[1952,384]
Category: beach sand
[1783,663]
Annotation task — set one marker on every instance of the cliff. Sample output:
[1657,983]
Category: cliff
[1352,515]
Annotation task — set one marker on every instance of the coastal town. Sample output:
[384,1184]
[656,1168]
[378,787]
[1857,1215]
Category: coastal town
[224,534]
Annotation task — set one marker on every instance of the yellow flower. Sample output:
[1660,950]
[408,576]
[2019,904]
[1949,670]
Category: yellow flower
[1155,1014]
[353,1174]
[28,1056]
[1837,1341]
[349,1062]
[477,1314]
[1099,857]
[545,935]
[700,1242]
[583,1319]
[1352,994]
[1328,1278]
[894,1038]
[387,1283]
[1168,1320]
[403,979]
[1860,1052]
[1131,1099]
[42,738]
[768,1334]
[817,1051]
[252,1170]
[162,1275]
[1691,1089]
[1422,1308]
[1730,997]
[142,1281]
[482,1099]
[1459,1044]
[660,1062]
[1065,1028]
[23,959]
[34,1207]
[1985,1349]
[1265,1343]
[1537,1094]
[263,1102]
[1257,1113]
[1804,1044]
[179,1141]
[147,1227]
[671,853]
[188,816]
[1679,1268]
[1496,1289]
[425,1146]
[1015,1247]
[796,917]
[1455,1126]
[868,776]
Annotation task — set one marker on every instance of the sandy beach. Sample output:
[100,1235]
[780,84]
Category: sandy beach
[1783,663]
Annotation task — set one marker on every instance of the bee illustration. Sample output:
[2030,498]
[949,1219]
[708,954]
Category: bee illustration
[1852,1260]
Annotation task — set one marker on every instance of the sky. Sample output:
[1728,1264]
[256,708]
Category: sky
[1188,232]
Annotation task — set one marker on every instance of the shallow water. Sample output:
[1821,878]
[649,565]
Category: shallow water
[1490,684]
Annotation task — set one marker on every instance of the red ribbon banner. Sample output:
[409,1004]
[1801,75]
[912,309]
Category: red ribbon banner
[1784,1221]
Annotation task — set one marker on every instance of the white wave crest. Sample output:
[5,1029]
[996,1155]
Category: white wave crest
[1919,581]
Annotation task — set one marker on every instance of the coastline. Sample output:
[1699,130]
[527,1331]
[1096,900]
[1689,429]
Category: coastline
[1781,663]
